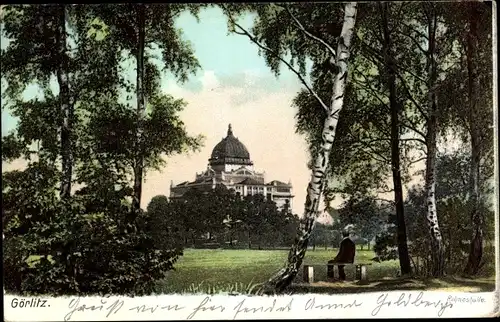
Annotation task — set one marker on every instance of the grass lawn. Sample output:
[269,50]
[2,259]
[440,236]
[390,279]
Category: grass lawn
[213,270]
[224,270]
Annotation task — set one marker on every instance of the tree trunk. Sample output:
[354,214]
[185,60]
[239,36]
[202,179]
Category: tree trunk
[67,112]
[65,105]
[140,109]
[437,247]
[476,247]
[395,106]
[314,190]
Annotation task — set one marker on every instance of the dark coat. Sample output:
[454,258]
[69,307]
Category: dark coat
[346,252]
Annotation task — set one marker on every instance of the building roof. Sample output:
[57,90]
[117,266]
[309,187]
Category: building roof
[278,184]
[251,181]
[230,150]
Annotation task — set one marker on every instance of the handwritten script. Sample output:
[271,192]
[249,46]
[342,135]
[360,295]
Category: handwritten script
[248,307]
[405,300]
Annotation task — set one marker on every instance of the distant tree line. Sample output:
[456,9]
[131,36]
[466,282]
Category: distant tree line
[363,217]
[220,218]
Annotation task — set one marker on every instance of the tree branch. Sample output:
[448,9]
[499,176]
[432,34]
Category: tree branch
[410,96]
[391,202]
[309,34]
[413,139]
[415,41]
[402,140]
[419,33]
[382,157]
[366,86]
[383,160]
[371,50]
[388,190]
[418,160]
[302,80]
[411,72]
[413,127]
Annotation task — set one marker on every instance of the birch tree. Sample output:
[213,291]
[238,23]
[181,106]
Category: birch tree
[66,104]
[438,38]
[391,72]
[475,13]
[424,30]
[363,154]
[471,122]
[39,50]
[64,232]
[437,247]
[338,59]
[137,29]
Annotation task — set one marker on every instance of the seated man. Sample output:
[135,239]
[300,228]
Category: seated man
[346,255]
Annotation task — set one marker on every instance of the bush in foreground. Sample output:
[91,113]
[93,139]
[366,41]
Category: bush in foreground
[82,246]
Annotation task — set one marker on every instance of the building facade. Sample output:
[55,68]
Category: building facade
[230,165]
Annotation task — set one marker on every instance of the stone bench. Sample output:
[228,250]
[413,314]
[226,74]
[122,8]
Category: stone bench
[361,274]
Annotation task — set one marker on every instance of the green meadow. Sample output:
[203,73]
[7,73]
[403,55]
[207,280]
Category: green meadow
[242,271]
[222,270]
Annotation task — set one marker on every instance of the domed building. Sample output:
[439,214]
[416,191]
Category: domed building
[230,165]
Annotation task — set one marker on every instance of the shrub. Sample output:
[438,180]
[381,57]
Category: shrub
[81,246]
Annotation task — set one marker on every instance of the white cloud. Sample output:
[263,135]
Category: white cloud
[264,122]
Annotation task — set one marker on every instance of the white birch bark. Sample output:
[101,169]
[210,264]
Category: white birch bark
[314,190]
[66,106]
[437,249]
[476,248]
[139,159]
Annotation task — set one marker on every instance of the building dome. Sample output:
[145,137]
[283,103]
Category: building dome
[230,151]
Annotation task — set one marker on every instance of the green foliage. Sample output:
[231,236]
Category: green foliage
[365,215]
[32,56]
[92,242]
[11,148]
[221,216]
[325,235]
[177,55]
[385,246]
[84,239]
[454,217]
[454,101]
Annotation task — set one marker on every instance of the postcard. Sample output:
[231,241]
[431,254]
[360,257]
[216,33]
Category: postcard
[199,161]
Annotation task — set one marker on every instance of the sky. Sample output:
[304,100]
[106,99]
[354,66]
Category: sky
[234,86]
